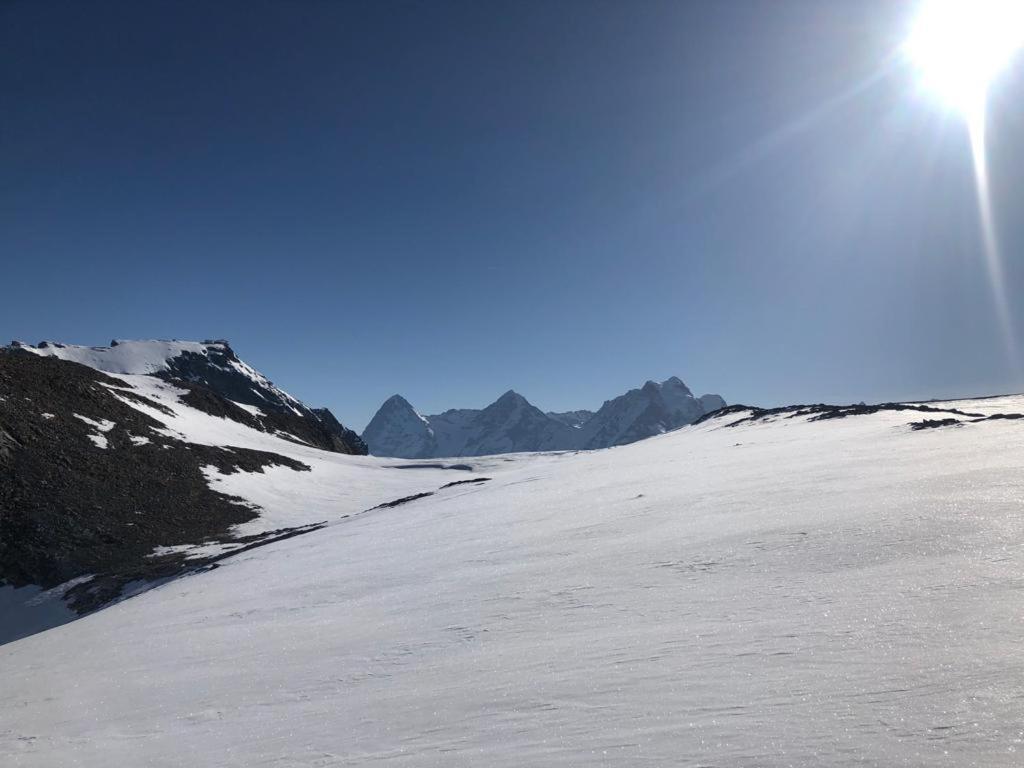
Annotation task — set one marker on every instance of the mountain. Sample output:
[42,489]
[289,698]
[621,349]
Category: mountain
[207,367]
[650,410]
[512,425]
[812,586]
[111,457]
[508,425]
[574,419]
[397,425]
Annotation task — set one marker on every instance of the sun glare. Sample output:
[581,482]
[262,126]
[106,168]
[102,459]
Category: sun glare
[959,46]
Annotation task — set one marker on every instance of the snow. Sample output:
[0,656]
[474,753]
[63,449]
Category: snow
[148,357]
[512,424]
[788,593]
[133,357]
[194,551]
[336,484]
[652,409]
[985,405]
[453,429]
[102,425]
[250,408]
[266,385]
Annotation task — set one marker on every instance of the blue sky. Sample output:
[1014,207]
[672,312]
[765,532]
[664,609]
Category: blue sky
[447,200]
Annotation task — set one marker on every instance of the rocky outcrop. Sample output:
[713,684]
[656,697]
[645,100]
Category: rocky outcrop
[96,493]
[337,437]
[216,381]
[90,485]
[574,419]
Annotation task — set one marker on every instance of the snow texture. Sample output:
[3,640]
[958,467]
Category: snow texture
[101,425]
[134,357]
[785,592]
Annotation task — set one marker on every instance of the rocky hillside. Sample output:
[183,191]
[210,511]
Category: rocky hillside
[107,455]
[241,393]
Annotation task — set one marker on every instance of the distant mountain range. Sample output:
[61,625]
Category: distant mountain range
[512,424]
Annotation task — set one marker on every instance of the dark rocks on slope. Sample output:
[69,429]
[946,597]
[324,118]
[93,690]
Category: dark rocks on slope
[343,439]
[822,412]
[315,426]
[221,372]
[574,419]
[69,507]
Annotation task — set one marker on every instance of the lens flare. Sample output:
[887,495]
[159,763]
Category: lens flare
[958,48]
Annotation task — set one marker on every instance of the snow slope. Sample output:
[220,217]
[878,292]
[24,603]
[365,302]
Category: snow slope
[189,359]
[785,592]
[135,357]
[336,484]
[106,481]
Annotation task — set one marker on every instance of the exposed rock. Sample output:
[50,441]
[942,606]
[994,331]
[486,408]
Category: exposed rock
[574,419]
[218,383]
[823,412]
[73,504]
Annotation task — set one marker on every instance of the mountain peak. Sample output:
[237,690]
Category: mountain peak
[397,429]
[508,403]
[673,386]
[511,396]
[211,366]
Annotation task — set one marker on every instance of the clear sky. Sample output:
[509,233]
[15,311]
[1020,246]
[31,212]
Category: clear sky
[448,200]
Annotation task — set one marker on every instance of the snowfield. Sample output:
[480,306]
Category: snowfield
[134,357]
[783,592]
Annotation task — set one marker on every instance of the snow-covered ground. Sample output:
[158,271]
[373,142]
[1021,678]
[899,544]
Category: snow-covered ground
[781,593]
[336,485]
[135,357]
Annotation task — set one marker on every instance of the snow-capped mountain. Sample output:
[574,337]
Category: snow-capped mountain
[508,425]
[110,455]
[212,366]
[397,425]
[511,424]
[650,410]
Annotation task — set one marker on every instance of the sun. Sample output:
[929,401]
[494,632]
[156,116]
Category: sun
[958,47]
